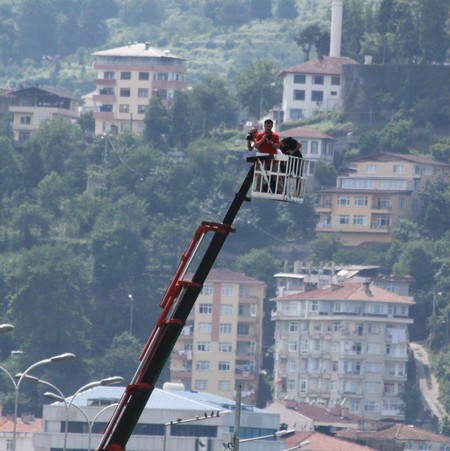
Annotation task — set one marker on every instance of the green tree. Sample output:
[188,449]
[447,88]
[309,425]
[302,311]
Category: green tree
[261,9]
[47,292]
[258,88]
[135,12]
[286,9]
[157,123]
[212,106]
[433,34]
[325,174]
[309,37]
[36,29]
[180,127]
[10,167]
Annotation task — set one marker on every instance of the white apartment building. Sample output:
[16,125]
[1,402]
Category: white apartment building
[220,346]
[90,411]
[346,344]
[127,77]
[312,87]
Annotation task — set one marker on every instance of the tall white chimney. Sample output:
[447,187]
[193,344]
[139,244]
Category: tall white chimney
[336,27]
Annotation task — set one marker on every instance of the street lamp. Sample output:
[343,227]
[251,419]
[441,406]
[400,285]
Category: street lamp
[90,423]
[22,376]
[130,297]
[190,420]
[6,328]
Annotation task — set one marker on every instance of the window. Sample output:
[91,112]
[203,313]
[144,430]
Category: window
[317,79]
[291,385]
[314,306]
[224,386]
[142,92]
[161,76]
[143,76]
[202,365]
[299,94]
[371,169]
[141,109]
[124,108]
[205,308]
[398,169]
[125,92]
[299,79]
[314,148]
[371,406]
[317,96]
[335,80]
[292,365]
[125,75]
[293,326]
[207,289]
[224,366]
[383,202]
[24,136]
[303,386]
[225,328]
[372,388]
[201,384]
[109,75]
[295,113]
[245,290]
[292,346]
[359,220]
[226,309]
[402,203]
[9,444]
[361,201]
[342,219]
[25,120]
[203,346]
[225,347]
[227,290]
[242,329]
[204,328]
[343,201]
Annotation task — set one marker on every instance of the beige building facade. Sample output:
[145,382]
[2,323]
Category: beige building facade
[376,193]
[30,107]
[220,346]
[127,78]
[344,345]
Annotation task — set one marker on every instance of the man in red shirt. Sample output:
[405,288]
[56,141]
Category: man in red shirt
[267,141]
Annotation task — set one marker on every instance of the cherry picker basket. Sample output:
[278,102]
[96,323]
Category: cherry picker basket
[279,177]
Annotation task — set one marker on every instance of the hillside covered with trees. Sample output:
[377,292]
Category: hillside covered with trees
[86,221]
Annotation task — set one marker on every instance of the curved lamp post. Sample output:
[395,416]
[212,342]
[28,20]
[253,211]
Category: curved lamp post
[90,423]
[21,376]
[6,328]
[60,397]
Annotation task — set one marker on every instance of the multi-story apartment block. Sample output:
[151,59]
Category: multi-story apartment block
[312,87]
[315,145]
[343,345]
[127,77]
[220,346]
[376,193]
[31,106]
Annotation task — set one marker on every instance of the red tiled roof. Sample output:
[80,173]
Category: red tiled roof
[305,132]
[396,432]
[7,425]
[320,415]
[322,442]
[324,65]
[350,291]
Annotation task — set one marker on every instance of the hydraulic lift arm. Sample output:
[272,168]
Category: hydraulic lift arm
[177,303]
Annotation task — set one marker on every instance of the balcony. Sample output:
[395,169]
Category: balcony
[105,81]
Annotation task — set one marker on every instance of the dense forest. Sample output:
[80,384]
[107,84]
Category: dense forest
[87,221]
